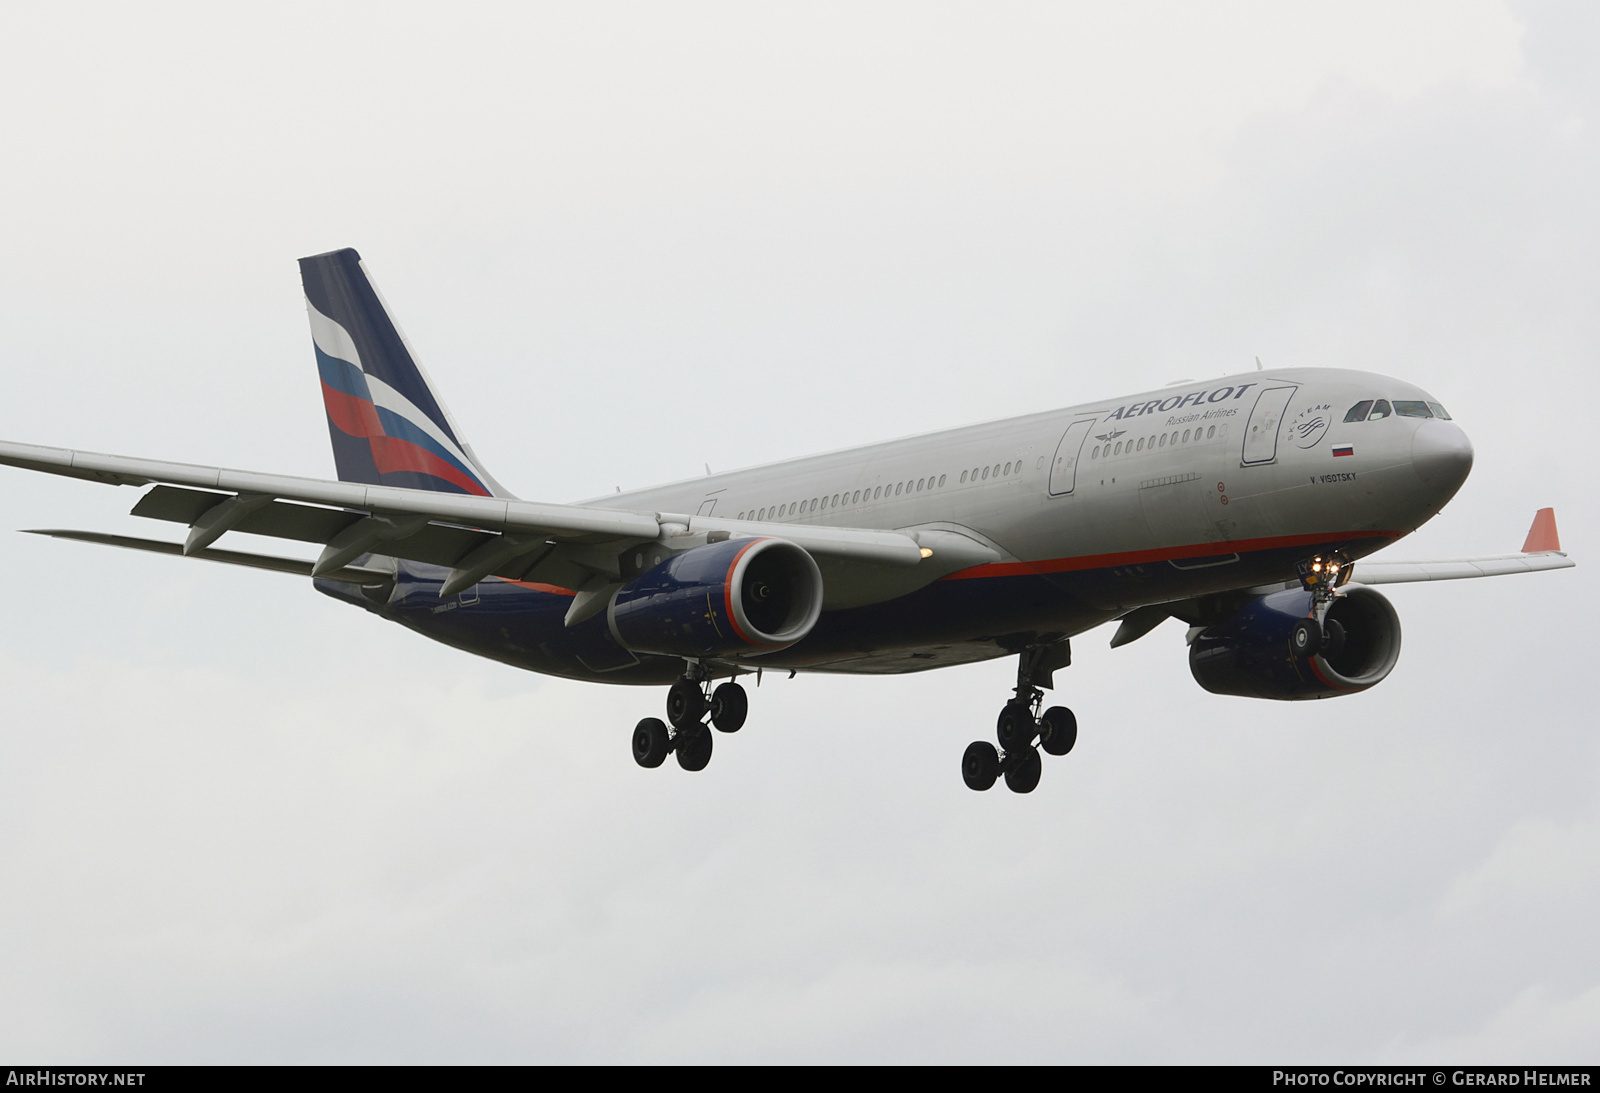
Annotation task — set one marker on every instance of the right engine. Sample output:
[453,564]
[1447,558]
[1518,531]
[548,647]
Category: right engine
[739,596]
[1249,654]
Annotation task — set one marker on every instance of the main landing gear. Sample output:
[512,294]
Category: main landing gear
[689,702]
[1021,724]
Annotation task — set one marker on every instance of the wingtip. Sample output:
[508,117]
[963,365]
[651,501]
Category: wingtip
[1542,535]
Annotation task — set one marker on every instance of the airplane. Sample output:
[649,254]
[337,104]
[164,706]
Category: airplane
[1245,506]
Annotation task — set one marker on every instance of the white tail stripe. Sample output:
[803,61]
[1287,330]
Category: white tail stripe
[387,397]
[331,337]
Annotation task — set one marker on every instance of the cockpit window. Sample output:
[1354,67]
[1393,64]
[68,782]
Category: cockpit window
[1438,411]
[1379,409]
[1358,412]
[1412,409]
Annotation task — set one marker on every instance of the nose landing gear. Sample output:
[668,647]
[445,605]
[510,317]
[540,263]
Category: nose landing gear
[1020,724]
[689,701]
[1321,575]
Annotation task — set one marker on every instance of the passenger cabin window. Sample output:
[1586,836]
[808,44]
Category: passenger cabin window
[1380,409]
[1359,411]
[1412,409]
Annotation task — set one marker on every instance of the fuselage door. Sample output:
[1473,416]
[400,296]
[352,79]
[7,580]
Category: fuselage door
[1261,434]
[1064,471]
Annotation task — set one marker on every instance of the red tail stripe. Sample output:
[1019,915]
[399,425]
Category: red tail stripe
[390,454]
[352,415]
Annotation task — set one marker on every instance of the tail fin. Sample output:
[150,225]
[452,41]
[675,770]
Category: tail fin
[388,427]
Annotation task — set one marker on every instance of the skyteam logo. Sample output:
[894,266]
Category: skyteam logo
[1313,421]
[407,447]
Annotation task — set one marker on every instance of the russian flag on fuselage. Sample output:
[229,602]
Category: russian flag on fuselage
[387,426]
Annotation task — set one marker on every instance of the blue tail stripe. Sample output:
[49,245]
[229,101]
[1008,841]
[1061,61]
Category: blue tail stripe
[416,480]
[341,375]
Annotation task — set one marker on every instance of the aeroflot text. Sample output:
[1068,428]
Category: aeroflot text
[1177,402]
[1437,1077]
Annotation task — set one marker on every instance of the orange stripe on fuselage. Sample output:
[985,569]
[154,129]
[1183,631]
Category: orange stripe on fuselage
[552,589]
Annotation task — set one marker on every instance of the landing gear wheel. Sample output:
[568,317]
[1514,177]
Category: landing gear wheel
[650,742]
[1058,730]
[1015,728]
[686,704]
[1332,638]
[694,748]
[1306,638]
[980,766]
[1022,771]
[729,705]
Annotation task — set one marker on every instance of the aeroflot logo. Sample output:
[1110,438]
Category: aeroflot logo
[1177,402]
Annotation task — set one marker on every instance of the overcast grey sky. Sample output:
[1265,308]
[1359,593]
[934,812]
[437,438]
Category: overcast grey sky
[242,822]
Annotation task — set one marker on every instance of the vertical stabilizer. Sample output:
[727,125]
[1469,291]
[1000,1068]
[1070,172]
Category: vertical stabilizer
[387,425]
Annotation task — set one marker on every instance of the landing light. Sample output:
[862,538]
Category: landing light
[926,553]
[1324,569]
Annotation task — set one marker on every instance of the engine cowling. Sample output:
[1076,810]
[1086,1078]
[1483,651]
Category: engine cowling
[1248,654]
[739,596]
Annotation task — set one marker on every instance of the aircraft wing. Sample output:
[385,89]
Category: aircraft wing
[1493,565]
[1541,550]
[569,546]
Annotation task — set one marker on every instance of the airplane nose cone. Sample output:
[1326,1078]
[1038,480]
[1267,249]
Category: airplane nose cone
[1441,455]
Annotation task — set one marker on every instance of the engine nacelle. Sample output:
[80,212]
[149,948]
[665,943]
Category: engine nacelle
[739,596]
[1248,654]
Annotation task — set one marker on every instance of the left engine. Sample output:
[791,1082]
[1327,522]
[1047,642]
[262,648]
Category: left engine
[746,596]
[1249,653]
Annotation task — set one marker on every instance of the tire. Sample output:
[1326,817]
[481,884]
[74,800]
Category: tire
[1015,727]
[1058,730]
[650,742]
[1332,639]
[1305,640]
[686,704]
[980,766]
[729,706]
[1022,773]
[694,748]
